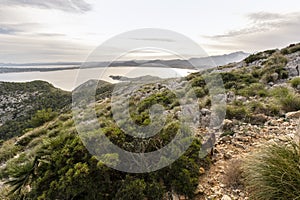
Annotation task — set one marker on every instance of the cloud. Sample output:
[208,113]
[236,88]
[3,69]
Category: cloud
[259,22]
[244,31]
[7,30]
[64,5]
[25,48]
[264,31]
[13,29]
[264,16]
[154,39]
[51,34]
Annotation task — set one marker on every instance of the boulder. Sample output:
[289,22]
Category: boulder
[227,125]
[230,96]
[226,197]
[274,76]
[241,98]
[293,115]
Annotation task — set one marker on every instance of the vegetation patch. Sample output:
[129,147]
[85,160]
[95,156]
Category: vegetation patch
[274,172]
[295,82]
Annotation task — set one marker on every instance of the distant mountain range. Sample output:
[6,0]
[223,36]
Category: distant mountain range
[204,62]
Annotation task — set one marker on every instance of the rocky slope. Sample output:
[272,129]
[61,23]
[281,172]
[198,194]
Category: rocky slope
[223,179]
[20,101]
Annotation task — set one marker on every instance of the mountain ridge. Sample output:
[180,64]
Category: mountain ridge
[211,61]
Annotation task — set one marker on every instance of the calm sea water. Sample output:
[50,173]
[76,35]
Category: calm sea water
[67,79]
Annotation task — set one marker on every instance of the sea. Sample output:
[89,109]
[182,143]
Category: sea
[70,79]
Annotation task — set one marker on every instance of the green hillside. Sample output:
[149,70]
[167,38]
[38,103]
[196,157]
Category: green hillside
[20,103]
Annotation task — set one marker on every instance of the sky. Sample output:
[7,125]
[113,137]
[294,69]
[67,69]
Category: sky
[69,30]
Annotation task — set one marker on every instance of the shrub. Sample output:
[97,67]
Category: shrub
[237,80]
[288,99]
[236,112]
[279,92]
[291,102]
[256,107]
[233,176]
[274,64]
[198,81]
[272,109]
[131,189]
[259,56]
[199,92]
[295,82]
[291,49]
[255,57]
[8,150]
[42,116]
[254,89]
[258,119]
[274,172]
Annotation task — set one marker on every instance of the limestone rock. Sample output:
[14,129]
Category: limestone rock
[293,115]
[274,76]
[226,197]
[227,125]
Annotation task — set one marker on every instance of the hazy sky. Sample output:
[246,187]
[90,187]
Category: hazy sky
[68,30]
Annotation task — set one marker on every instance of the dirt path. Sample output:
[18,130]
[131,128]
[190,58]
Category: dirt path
[222,180]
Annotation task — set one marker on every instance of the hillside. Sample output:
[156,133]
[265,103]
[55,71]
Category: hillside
[21,101]
[50,161]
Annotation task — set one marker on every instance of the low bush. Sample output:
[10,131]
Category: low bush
[291,49]
[274,68]
[274,172]
[255,57]
[236,112]
[8,150]
[253,90]
[269,108]
[260,55]
[287,98]
[279,92]
[233,177]
[291,102]
[295,82]
[198,92]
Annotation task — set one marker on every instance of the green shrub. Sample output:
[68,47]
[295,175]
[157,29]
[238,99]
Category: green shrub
[237,80]
[198,81]
[256,107]
[291,102]
[236,112]
[42,116]
[8,150]
[274,172]
[274,65]
[255,57]
[131,189]
[254,89]
[291,49]
[272,109]
[199,92]
[288,99]
[279,92]
[66,170]
[259,56]
[295,82]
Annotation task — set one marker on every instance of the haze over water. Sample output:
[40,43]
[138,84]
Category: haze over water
[66,79]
